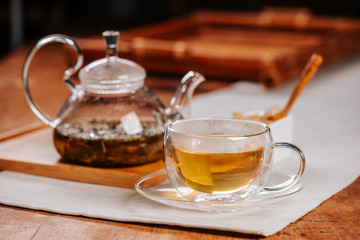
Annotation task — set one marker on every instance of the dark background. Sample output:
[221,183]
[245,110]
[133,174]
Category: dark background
[22,22]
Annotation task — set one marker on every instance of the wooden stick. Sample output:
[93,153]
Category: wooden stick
[307,74]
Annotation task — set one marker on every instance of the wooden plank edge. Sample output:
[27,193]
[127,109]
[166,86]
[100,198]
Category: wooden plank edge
[22,130]
[119,177]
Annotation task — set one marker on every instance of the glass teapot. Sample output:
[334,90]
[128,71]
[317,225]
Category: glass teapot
[111,119]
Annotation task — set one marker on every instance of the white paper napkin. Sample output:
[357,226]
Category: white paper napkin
[327,128]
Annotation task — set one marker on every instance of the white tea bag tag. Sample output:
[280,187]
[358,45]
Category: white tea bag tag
[131,123]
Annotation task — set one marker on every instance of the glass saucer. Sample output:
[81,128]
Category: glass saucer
[157,187]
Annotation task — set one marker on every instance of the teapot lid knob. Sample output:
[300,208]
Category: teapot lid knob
[111,40]
[112,75]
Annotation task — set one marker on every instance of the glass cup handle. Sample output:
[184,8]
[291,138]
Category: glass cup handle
[294,180]
[25,72]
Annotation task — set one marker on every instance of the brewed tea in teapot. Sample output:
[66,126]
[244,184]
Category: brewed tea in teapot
[111,118]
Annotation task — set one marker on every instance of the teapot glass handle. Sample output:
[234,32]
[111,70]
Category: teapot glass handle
[25,72]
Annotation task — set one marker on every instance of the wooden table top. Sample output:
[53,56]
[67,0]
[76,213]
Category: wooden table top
[336,218]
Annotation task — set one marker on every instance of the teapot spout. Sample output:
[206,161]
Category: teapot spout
[180,102]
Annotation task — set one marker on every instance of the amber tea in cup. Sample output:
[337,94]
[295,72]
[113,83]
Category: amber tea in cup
[222,160]
[218,172]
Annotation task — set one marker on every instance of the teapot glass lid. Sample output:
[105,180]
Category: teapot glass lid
[112,75]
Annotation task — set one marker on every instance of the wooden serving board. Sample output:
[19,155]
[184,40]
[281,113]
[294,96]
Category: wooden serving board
[34,153]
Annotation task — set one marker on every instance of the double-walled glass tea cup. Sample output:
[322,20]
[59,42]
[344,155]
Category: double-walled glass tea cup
[223,160]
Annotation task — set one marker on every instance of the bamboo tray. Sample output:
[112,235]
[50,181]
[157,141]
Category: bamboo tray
[270,47]
[34,153]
